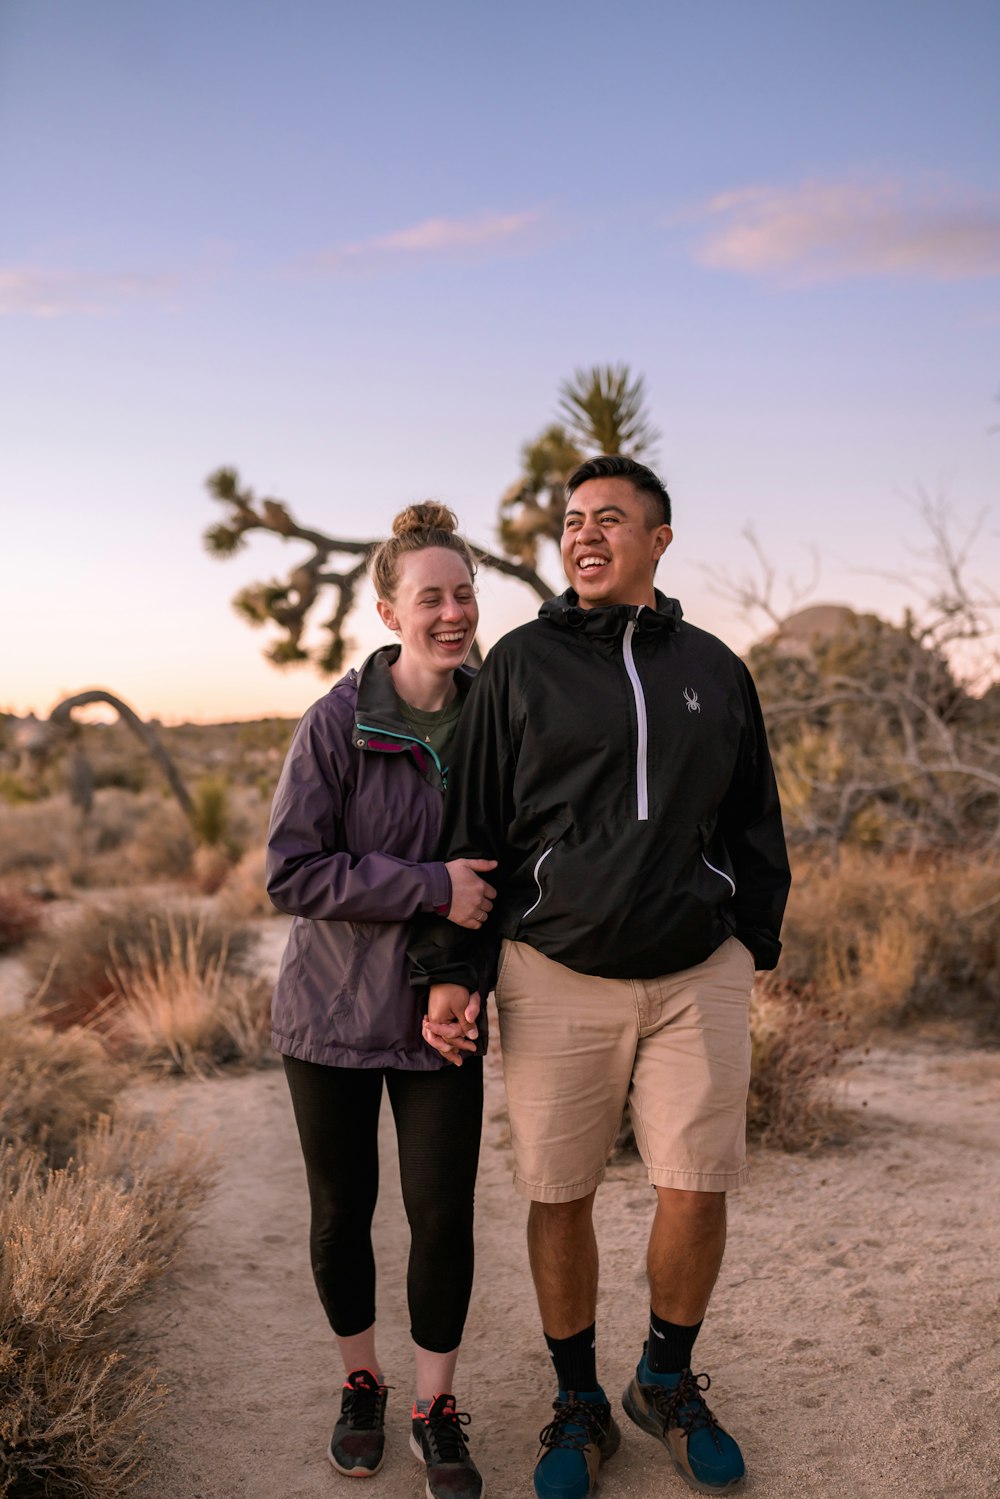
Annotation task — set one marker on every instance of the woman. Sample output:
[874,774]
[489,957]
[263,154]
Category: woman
[351,856]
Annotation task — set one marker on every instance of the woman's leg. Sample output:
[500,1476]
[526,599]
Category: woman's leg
[438,1125]
[336,1111]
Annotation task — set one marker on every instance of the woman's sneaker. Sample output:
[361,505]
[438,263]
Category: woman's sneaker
[438,1441]
[672,1408]
[357,1446]
[580,1437]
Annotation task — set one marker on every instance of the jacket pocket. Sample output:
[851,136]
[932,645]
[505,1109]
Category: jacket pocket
[347,993]
[541,883]
[717,863]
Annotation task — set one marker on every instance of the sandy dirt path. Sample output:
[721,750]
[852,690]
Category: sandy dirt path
[853,1342]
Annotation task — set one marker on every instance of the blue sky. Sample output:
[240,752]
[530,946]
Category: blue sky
[354,250]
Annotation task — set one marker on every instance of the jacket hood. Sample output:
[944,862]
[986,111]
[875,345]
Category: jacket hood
[609,621]
[377,705]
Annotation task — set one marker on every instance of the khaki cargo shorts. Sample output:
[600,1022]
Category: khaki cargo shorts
[576,1048]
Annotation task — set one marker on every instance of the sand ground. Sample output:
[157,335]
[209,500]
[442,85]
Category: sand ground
[853,1342]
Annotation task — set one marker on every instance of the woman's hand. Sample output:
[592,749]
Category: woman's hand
[471,897]
[450,1023]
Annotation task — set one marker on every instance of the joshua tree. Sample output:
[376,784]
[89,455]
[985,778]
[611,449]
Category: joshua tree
[604,411]
[38,738]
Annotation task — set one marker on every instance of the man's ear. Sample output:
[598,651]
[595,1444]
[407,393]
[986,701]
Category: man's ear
[387,615]
[664,536]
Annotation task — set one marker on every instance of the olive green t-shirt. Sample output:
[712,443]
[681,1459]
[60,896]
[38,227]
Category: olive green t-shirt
[434,727]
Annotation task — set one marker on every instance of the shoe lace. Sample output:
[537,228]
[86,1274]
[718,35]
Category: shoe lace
[577,1423]
[445,1438]
[364,1404]
[684,1406]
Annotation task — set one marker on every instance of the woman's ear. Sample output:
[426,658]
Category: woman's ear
[387,615]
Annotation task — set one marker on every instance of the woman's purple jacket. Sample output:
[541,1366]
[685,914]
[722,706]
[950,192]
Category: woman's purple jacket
[350,854]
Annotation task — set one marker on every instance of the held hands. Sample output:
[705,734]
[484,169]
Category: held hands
[450,1023]
[471,897]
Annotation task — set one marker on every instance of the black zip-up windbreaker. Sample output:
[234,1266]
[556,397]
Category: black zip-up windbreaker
[614,762]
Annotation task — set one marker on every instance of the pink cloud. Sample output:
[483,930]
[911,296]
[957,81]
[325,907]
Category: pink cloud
[826,231]
[430,239]
[40,293]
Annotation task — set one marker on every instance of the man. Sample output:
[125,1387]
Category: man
[613,759]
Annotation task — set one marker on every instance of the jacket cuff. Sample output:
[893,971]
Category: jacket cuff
[439,897]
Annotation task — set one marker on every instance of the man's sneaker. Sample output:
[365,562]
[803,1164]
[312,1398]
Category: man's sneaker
[582,1435]
[358,1442]
[439,1442]
[672,1407]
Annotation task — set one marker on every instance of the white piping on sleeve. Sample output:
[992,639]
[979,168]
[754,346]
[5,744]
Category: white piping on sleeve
[540,861]
[728,879]
[641,784]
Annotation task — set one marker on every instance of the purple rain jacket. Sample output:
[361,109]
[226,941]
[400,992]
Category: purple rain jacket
[350,854]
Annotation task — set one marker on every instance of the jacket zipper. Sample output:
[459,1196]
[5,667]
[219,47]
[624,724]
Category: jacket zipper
[538,864]
[408,739]
[641,783]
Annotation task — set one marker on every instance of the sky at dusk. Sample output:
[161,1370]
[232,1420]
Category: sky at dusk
[353,250]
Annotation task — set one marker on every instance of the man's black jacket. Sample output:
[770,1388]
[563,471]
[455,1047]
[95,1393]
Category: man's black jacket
[614,762]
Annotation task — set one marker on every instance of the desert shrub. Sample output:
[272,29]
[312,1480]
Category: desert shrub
[796,1045]
[180,1010]
[79,1247]
[244,896]
[20,916]
[892,940]
[52,1085]
[72,968]
[36,835]
[209,868]
[163,846]
[210,818]
[14,789]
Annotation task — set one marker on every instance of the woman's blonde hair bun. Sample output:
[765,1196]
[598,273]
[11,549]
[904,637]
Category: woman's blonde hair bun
[427,524]
[428,515]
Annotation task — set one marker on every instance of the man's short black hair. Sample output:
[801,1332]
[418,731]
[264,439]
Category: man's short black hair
[615,466]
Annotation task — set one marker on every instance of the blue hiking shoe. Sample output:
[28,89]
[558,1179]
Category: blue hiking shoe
[581,1436]
[672,1408]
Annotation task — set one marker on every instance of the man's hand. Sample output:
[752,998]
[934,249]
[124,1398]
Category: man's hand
[450,1023]
[471,897]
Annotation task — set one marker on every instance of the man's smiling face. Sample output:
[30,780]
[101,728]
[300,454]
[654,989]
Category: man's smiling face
[610,543]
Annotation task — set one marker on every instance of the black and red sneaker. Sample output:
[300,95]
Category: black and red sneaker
[357,1446]
[438,1441]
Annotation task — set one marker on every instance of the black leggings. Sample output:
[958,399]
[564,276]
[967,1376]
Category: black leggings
[438,1124]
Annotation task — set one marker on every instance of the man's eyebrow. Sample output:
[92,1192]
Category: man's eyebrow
[598,510]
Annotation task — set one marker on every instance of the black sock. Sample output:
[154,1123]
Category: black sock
[668,1350]
[575,1360]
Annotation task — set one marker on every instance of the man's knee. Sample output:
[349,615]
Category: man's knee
[693,1207]
[562,1217]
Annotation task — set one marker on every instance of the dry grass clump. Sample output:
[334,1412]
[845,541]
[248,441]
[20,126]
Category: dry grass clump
[796,1045]
[244,896]
[209,868]
[52,1084]
[895,939]
[128,836]
[177,1008]
[36,836]
[79,1246]
[72,968]
[20,916]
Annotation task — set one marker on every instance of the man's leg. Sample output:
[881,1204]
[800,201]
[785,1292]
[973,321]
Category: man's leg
[688,1105]
[566,1087]
[686,1246]
[562,1252]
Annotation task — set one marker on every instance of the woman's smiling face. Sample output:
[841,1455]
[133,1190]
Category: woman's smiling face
[435,611]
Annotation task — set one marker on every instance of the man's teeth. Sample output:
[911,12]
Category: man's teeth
[589,563]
